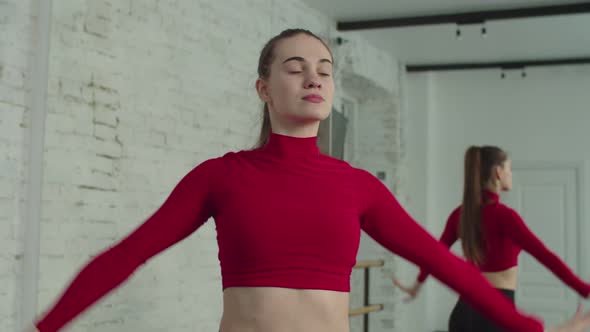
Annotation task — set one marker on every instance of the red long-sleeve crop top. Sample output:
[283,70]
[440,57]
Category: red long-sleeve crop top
[286,216]
[505,235]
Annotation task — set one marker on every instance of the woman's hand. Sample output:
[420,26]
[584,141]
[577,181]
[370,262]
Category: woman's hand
[412,291]
[579,323]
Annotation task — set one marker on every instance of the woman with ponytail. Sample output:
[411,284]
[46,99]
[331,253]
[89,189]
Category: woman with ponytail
[288,219]
[492,236]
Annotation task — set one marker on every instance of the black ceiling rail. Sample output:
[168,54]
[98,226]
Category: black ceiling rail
[520,64]
[477,17]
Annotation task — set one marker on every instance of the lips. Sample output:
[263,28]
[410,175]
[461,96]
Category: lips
[313,98]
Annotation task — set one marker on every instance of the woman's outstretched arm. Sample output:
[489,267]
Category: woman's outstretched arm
[390,225]
[185,210]
[518,231]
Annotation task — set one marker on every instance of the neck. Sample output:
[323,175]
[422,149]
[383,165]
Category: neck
[492,188]
[299,132]
[294,128]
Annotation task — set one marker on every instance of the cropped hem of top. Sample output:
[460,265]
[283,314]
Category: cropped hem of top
[286,216]
[291,278]
[499,268]
[505,235]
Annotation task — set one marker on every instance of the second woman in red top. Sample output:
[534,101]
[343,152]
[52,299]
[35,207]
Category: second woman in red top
[492,236]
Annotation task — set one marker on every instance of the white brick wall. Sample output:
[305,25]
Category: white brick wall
[16,30]
[139,93]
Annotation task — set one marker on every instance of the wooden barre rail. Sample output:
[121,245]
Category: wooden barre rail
[368,308]
[368,264]
[365,310]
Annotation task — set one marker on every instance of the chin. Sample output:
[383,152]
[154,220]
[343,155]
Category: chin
[314,114]
[324,116]
[324,113]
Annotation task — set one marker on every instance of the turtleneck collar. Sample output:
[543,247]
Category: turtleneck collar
[291,147]
[491,195]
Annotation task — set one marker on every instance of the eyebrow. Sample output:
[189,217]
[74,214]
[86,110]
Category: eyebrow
[300,59]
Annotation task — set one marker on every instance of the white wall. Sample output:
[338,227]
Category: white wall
[140,92]
[17,28]
[417,135]
[543,117]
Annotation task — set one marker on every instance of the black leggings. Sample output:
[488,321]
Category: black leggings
[466,319]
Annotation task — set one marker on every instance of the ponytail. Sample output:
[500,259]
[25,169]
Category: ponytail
[470,222]
[265,129]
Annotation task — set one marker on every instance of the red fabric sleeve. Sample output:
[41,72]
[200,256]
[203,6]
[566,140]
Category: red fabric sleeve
[185,210]
[388,223]
[518,231]
[448,238]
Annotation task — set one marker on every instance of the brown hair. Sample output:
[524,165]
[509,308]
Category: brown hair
[264,63]
[479,166]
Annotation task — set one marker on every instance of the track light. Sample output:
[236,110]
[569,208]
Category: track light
[339,41]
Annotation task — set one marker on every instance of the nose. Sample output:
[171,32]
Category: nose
[312,79]
[312,83]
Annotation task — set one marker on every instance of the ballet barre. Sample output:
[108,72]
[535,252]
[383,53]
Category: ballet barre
[367,308]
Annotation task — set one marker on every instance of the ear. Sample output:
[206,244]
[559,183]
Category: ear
[498,172]
[262,90]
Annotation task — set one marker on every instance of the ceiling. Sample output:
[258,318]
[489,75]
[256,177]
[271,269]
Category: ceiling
[547,37]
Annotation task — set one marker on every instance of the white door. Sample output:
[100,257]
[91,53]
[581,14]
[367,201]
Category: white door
[546,196]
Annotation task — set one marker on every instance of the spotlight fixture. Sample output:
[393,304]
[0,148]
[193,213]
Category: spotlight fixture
[340,41]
